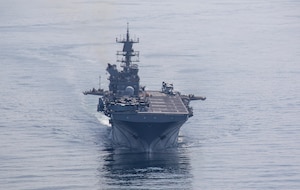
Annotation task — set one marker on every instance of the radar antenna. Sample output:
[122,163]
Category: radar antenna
[127,53]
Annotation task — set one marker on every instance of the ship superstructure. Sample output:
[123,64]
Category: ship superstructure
[145,120]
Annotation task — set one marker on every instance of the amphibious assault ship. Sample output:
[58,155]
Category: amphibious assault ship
[145,120]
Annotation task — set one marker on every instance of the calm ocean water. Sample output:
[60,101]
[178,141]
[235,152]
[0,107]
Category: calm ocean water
[243,55]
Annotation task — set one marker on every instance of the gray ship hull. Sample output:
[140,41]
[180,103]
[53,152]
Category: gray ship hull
[145,136]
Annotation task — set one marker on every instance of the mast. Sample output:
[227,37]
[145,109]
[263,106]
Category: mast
[127,53]
[99,81]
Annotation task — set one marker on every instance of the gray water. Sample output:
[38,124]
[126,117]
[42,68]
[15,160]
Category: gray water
[244,56]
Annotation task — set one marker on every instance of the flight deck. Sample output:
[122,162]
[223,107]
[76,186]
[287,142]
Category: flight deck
[164,103]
